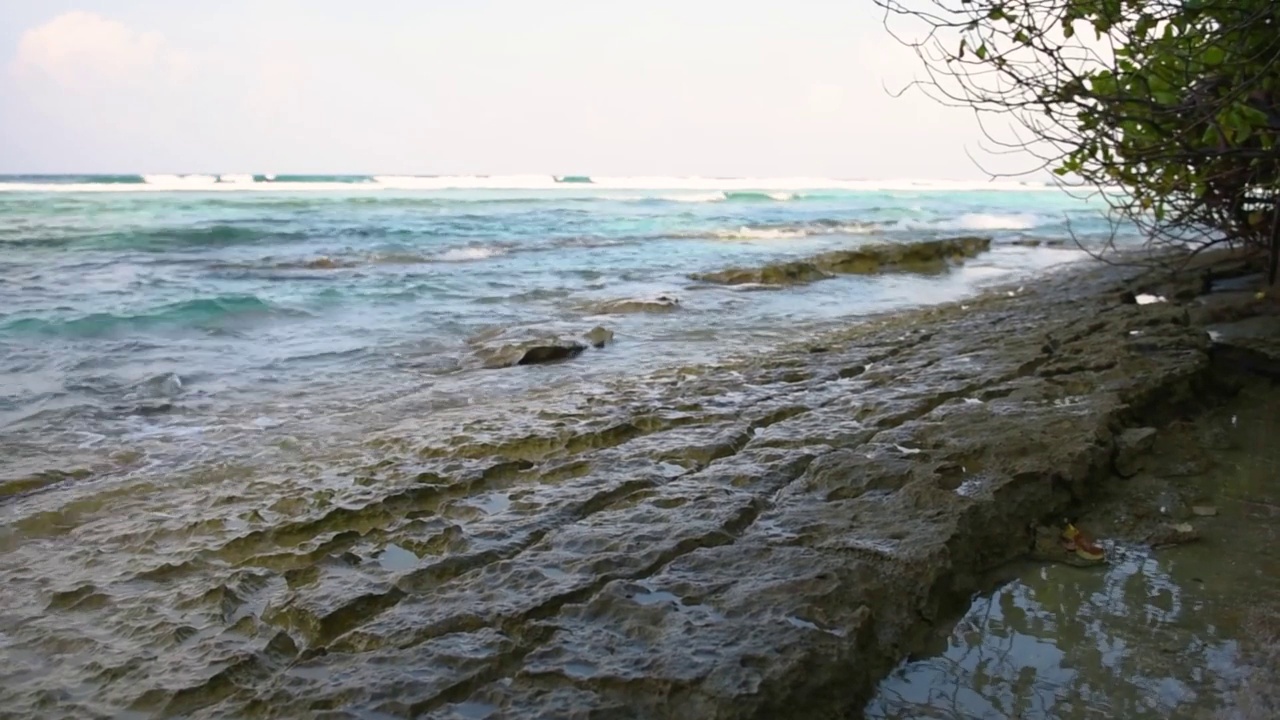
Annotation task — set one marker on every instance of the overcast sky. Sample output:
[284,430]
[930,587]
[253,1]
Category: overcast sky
[606,87]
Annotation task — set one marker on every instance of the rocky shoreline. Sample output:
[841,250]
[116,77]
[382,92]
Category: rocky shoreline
[762,539]
[858,501]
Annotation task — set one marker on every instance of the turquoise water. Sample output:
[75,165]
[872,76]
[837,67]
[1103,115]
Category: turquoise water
[168,310]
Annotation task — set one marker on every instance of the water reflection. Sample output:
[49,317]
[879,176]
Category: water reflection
[1151,635]
[1126,641]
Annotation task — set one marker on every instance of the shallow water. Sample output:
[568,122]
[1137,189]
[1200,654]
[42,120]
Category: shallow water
[164,318]
[1151,635]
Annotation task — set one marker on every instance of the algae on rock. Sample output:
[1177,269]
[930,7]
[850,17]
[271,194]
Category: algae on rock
[930,256]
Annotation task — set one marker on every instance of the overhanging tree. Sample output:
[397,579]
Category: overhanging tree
[1169,107]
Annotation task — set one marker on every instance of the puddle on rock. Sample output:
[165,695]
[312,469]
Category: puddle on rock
[1127,641]
[396,558]
[1153,634]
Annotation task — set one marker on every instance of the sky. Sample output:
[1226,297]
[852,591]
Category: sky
[754,88]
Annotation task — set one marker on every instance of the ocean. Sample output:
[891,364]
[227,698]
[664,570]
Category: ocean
[187,360]
[160,309]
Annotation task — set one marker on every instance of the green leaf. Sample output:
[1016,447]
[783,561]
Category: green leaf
[982,51]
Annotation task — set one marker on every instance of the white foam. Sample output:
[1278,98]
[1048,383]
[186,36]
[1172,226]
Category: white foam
[178,182]
[1147,299]
[707,197]
[778,188]
[977,221]
[471,182]
[469,253]
[747,233]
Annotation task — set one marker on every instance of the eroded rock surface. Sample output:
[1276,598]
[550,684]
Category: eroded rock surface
[760,540]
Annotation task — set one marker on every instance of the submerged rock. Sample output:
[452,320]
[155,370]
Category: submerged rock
[655,304]
[598,336]
[539,353]
[36,481]
[1172,534]
[920,257]
[324,262]
[507,347]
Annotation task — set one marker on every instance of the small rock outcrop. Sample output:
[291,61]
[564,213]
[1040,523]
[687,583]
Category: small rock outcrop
[788,273]
[552,352]
[1131,447]
[920,257]
[598,336]
[655,304]
[930,256]
[508,347]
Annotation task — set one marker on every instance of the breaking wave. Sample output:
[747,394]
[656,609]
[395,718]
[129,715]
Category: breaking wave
[465,254]
[785,231]
[978,221]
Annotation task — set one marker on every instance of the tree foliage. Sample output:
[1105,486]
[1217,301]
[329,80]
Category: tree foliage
[1171,107]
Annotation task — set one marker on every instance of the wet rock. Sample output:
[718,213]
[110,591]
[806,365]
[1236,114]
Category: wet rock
[788,273]
[1169,503]
[1204,510]
[537,354]
[761,539]
[507,347]
[928,256]
[165,385]
[1251,345]
[598,336]
[1171,534]
[36,481]
[1131,445]
[921,257]
[531,352]
[323,262]
[655,304]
